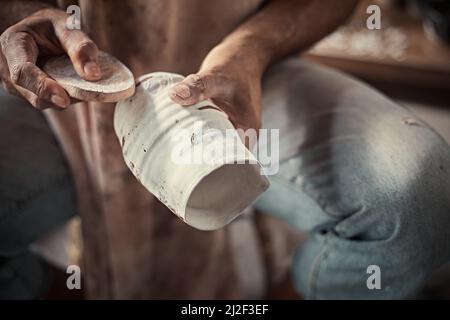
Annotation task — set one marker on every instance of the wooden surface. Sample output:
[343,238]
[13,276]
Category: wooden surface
[399,52]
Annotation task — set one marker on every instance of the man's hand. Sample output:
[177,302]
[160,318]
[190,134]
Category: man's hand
[231,73]
[44,33]
[230,81]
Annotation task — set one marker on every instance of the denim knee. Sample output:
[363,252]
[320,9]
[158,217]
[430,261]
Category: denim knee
[401,227]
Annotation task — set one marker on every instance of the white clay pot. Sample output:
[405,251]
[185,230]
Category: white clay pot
[164,146]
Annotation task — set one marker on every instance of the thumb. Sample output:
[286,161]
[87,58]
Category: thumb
[82,52]
[195,88]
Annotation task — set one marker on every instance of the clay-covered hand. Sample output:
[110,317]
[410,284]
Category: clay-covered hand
[230,81]
[42,34]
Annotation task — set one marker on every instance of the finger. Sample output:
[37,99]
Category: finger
[82,52]
[47,90]
[195,88]
[4,74]
[20,52]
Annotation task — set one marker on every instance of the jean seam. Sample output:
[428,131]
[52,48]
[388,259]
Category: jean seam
[318,260]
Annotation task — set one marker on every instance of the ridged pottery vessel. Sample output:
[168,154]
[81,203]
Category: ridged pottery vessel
[190,158]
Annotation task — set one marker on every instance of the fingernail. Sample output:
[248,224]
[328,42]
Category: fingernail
[182,91]
[59,101]
[91,68]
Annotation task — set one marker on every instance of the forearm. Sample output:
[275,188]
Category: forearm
[12,11]
[285,26]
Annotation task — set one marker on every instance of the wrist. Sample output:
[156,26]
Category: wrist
[245,50]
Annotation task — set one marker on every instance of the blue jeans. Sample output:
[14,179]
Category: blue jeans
[36,195]
[368,180]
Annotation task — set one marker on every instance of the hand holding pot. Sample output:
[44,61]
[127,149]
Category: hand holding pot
[231,80]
